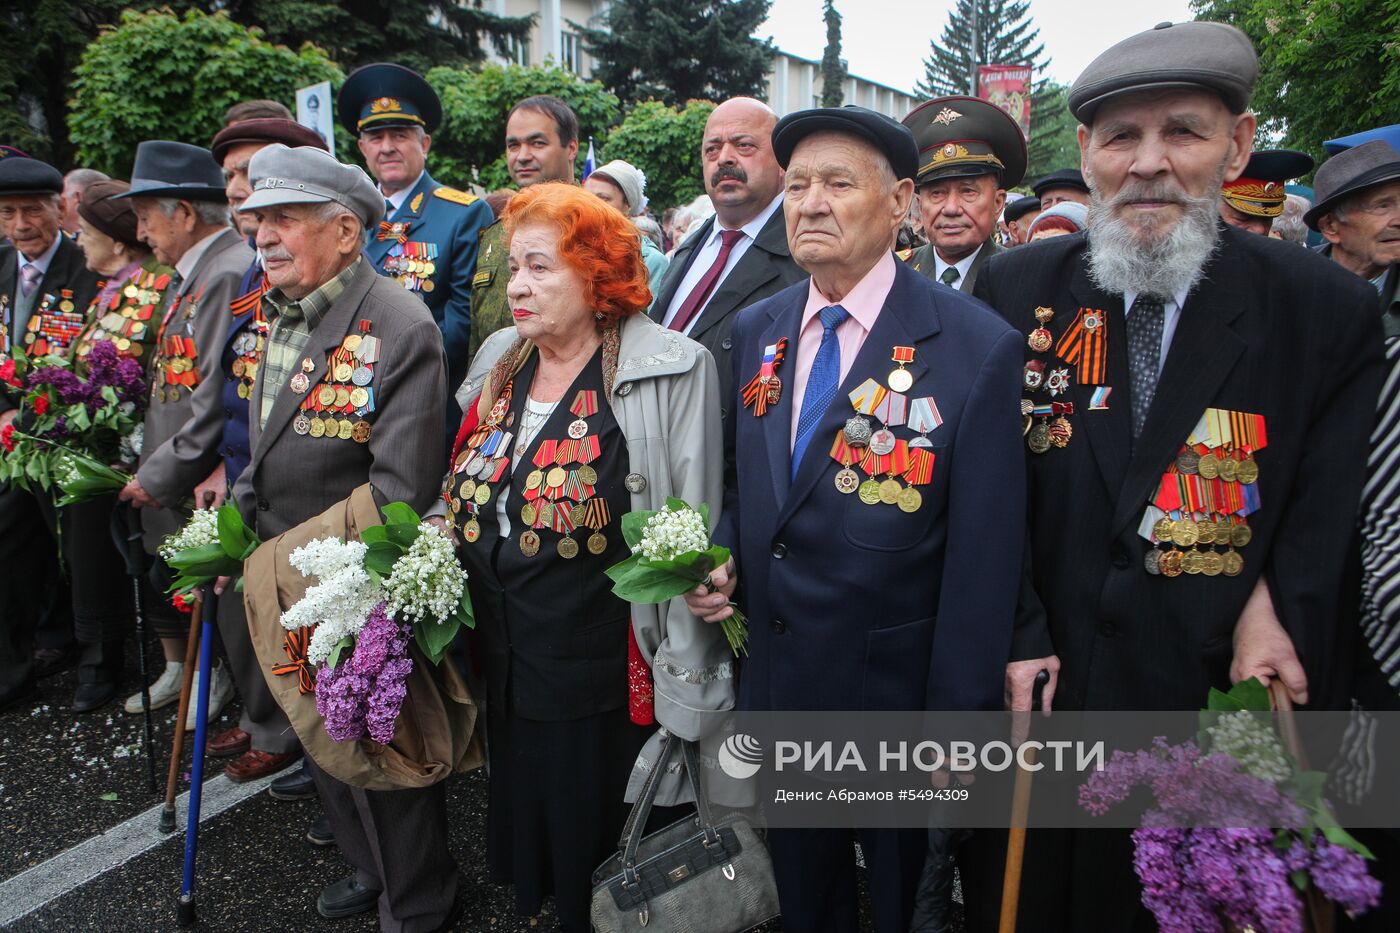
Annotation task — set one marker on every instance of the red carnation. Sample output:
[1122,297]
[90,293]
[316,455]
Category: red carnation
[7,372]
[179,602]
[7,437]
[41,404]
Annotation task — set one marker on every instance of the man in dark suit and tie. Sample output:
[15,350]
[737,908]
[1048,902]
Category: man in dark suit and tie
[878,517]
[970,152]
[740,255]
[1223,386]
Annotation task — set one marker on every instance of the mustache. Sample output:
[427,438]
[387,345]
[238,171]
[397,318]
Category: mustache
[728,171]
[1152,191]
[278,253]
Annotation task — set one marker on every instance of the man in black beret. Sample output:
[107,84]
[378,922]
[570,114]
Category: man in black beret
[43,275]
[1067,184]
[1017,217]
[817,523]
[1166,330]
[970,152]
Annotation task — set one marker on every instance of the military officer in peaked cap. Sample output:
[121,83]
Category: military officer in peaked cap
[970,152]
[428,238]
[1252,201]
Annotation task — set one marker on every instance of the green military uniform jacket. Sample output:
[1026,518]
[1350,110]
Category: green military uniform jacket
[490,307]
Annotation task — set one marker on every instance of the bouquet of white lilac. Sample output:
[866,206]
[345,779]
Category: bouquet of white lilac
[671,555]
[399,583]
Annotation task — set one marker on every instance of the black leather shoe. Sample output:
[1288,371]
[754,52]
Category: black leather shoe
[89,697]
[321,833]
[345,898]
[295,785]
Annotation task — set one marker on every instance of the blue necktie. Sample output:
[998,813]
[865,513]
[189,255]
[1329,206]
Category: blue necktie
[821,382]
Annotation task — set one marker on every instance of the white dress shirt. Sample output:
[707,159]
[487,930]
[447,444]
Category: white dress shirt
[397,198]
[962,265]
[705,255]
[1171,316]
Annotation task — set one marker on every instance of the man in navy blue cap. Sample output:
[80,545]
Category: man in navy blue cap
[42,275]
[817,517]
[428,238]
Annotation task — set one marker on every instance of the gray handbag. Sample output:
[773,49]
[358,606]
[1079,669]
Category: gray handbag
[698,875]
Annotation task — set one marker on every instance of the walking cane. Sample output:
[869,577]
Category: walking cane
[126,533]
[177,751]
[185,913]
[1016,836]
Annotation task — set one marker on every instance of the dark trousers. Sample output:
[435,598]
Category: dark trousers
[99,588]
[28,568]
[816,874]
[396,841]
[262,719]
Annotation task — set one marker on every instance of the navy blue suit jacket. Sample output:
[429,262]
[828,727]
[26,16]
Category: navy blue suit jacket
[454,229]
[235,441]
[855,606]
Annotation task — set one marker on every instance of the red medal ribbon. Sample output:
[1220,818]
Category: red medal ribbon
[585,404]
[545,453]
[920,471]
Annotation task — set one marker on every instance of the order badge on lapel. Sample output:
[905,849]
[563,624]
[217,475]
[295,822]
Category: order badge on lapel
[766,388]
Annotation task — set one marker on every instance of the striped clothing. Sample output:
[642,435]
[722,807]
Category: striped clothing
[1380,527]
[292,324]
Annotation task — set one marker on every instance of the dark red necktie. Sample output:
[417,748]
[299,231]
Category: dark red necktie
[701,293]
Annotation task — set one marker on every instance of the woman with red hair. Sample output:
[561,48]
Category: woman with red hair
[583,411]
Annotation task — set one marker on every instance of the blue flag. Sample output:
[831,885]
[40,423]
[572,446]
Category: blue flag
[589,163]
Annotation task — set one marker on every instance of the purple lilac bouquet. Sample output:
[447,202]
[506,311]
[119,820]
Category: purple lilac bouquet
[400,585]
[71,431]
[1237,832]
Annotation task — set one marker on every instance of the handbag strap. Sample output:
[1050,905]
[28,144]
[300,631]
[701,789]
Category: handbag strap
[632,830]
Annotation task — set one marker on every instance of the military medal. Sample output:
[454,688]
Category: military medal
[1188,461]
[847,481]
[1039,439]
[900,380]
[1057,382]
[1033,376]
[766,388]
[596,515]
[923,418]
[301,424]
[857,431]
[529,544]
[1040,339]
[869,492]
[584,406]
[567,548]
[1151,562]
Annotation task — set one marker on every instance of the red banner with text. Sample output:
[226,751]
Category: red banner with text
[1008,87]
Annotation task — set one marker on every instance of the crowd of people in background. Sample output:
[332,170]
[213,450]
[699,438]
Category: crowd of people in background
[557,354]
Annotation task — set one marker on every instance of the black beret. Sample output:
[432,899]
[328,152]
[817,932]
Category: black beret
[885,134]
[1064,178]
[21,178]
[1019,208]
[265,130]
[1198,55]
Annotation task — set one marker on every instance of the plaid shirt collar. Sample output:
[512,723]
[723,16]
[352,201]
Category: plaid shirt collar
[315,305]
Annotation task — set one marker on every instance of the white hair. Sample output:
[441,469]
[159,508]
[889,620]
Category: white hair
[210,213]
[328,211]
[1289,224]
[1123,258]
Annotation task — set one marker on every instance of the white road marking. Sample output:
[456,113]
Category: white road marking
[34,887]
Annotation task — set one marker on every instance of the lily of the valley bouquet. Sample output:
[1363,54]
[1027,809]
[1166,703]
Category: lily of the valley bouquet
[672,555]
[1238,833]
[399,584]
[79,434]
[213,543]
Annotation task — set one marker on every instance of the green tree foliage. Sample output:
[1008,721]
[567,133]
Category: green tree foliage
[664,142]
[833,68]
[421,34]
[163,76]
[1326,69]
[471,141]
[1057,136]
[680,50]
[1006,35]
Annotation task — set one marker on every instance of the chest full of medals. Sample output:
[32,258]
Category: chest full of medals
[339,406]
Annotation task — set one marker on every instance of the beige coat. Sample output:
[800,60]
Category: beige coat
[666,401]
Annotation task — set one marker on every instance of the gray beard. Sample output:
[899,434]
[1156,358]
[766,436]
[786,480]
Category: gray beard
[1153,262]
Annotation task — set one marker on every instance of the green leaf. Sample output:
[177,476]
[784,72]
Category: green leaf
[649,585]
[403,534]
[633,524]
[435,637]
[623,568]
[1222,702]
[109,796]
[1299,879]
[466,613]
[1340,837]
[400,513]
[233,534]
[1251,695]
[374,534]
[345,644]
[208,558]
[380,557]
[677,505]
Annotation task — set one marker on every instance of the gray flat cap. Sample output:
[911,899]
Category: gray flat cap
[305,175]
[1200,56]
[1350,172]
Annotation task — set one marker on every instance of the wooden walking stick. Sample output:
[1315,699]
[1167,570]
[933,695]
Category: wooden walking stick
[1016,836]
[167,813]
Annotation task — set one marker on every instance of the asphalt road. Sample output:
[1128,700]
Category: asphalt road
[65,779]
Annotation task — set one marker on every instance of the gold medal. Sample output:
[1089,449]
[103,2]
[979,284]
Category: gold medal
[869,492]
[332,428]
[587,475]
[1233,563]
[889,491]
[172,394]
[471,531]
[567,548]
[1162,530]
[847,481]
[1209,467]
[307,365]
[528,514]
[454,505]
[534,479]
[342,397]
[1170,564]
[347,430]
[1039,438]
[427,285]
[1241,535]
[352,342]
[317,428]
[1192,562]
[1205,532]
[468,489]
[597,544]
[576,514]
[1229,469]
[529,544]
[1248,471]
[910,499]
[326,395]
[359,397]
[482,495]
[1040,340]
[1212,564]
[343,372]
[1185,533]
[556,477]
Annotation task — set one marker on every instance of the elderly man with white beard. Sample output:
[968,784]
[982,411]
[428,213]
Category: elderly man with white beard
[1198,401]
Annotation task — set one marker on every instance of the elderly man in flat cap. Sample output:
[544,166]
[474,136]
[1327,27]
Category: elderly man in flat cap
[177,192]
[41,272]
[970,152]
[262,742]
[817,520]
[1191,352]
[325,298]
